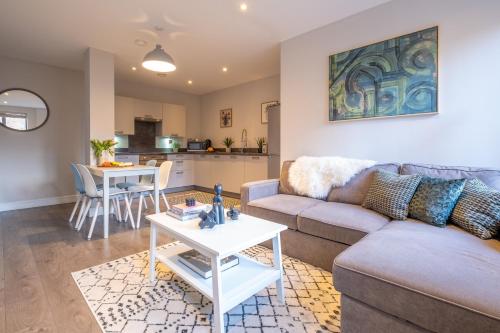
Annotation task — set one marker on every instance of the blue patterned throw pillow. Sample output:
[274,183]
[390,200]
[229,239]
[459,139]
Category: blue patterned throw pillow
[478,210]
[390,193]
[435,199]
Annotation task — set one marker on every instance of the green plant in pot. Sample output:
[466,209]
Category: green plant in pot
[176,147]
[260,143]
[228,142]
[100,147]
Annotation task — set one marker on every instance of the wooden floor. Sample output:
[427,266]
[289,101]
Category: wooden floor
[38,252]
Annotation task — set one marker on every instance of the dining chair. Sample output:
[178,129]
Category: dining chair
[77,179]
[143,180]
[94,194]
[144,189]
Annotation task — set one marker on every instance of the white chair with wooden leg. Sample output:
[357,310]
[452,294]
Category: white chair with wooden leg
[143,190]
[95,195]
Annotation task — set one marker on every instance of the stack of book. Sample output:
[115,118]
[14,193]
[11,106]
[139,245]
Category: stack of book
[184,213]
[201,264]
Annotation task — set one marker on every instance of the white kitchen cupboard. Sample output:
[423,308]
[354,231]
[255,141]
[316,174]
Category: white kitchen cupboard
[174,120]
[182,172]
[202,171]
[124,115]
[148,109]
[255,168]
[231,171]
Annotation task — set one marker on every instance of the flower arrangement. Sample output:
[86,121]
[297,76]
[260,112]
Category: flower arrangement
[261,141]
[99,147]
[228,142]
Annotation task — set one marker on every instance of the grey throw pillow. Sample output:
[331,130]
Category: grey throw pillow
[478,210]
[390,194]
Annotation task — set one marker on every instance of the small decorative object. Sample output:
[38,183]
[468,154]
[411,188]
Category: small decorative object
[207,219]
[260,143]
[216,215]
[99,147]
[263,110]
[228,142]
[226,118]
[265,148]
[176,147]
[190,202]
[218,204]
[233,213]
[396,77]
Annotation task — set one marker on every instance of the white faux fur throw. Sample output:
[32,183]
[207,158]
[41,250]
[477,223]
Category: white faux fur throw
[315,176]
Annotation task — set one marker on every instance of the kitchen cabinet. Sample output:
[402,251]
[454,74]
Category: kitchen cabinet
[124,115]
[255,168]
[174,120]
[182,172]
[229,170]
[148,109]
[202,171]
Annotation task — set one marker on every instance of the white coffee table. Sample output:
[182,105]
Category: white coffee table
[233,286]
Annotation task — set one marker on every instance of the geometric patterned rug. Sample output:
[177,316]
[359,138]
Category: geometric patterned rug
[122,299]
[203,197]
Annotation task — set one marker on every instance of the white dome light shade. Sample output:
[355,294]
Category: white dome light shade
[158,61]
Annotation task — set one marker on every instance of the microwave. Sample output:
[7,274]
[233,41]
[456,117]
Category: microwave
[198,145]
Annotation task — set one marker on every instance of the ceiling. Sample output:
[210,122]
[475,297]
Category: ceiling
[22,99]
[201,35]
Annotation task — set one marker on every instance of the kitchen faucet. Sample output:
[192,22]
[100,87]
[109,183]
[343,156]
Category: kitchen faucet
[244,139]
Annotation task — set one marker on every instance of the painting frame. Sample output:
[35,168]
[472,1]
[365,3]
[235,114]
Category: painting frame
[226,118]
[412,81]
[264,119]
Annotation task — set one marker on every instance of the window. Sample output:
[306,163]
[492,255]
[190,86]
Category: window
[17,121]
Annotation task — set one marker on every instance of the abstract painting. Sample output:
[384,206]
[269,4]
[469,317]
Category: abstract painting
[395,77]
[226,118]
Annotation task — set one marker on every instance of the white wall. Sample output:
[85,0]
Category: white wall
[34,165]
[467,130]
[141,91]
[245,100]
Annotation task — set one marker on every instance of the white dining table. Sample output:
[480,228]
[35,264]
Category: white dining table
[113,172]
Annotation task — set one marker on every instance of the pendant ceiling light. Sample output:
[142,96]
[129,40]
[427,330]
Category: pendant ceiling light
[158,61]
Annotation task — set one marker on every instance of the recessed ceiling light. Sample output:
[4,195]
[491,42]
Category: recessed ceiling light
[243,7]
[140,42]
[134,68]
[190,82]
[224,69]
[4,102]
[6,94]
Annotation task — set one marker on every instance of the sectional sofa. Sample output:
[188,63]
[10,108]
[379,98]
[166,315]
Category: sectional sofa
[394,276]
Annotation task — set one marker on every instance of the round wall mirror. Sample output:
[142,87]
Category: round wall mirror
[22,110]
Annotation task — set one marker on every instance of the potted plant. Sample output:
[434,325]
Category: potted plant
[176,147]
[100,147]
[228,142]
[260,143]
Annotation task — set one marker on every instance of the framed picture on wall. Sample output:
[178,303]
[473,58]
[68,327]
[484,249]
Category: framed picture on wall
[226,118]
[395,77]
[263,111]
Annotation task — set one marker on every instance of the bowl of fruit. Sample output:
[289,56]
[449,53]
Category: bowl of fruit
[113,164]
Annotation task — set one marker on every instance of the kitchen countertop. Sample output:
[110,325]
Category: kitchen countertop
[190,152]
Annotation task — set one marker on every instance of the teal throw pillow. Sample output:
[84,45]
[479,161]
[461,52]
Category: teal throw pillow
[435,199]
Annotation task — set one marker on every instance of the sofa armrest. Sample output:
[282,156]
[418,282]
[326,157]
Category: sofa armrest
[256,190]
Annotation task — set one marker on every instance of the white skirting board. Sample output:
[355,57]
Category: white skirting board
[5,206]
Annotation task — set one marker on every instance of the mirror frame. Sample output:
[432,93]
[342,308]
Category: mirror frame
[37,95]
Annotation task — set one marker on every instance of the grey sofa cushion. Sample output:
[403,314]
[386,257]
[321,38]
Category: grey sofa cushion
[490,177]
[441,279]
[340,222]
[355,190]
[280,208]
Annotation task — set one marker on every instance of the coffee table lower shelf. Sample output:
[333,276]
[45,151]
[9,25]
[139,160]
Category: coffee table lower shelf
[238,283]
